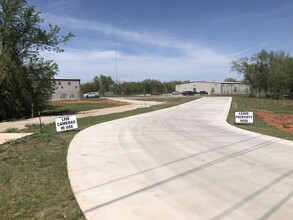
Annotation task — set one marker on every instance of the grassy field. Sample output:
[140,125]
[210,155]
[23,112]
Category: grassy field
[73,106]
[244,103]
[33,170]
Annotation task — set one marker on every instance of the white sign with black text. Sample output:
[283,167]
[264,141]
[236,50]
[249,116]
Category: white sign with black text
[66,123]
[243,117]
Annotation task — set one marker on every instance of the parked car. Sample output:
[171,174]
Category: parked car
[203,93]
[91,95]
[187,93]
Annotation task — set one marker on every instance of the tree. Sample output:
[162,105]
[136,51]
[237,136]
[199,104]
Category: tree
[169,87]
[152,86]
[244,67]
[268,72]
[100,84]
[262,63]
[21,34]
[21,70]
[281,77]
[131,88]
[230,80]
[39,83]
[106,83]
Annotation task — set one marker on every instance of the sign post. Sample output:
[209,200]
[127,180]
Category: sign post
[244,117]
[66,123]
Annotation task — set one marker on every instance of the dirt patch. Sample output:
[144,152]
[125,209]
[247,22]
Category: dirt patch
[287,103]
[81,101]
[283,122]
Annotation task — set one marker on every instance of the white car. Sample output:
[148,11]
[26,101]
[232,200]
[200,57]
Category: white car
[91,95]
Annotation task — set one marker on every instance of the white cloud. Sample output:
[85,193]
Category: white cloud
[142,36]
[191,62]
[62,4]
[86,64]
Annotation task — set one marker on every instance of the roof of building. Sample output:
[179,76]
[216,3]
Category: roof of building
[220,82]
[65,79]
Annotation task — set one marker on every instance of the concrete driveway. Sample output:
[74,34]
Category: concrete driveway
[184,162]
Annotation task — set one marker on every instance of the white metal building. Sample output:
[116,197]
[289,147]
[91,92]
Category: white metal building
[218,87]
[66,89]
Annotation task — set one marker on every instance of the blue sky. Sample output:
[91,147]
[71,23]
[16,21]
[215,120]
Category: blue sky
[165,39]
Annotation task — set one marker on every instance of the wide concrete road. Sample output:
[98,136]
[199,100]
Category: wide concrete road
[184,162]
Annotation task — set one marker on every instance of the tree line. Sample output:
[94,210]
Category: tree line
[270,73]
[105,84]
[26,79]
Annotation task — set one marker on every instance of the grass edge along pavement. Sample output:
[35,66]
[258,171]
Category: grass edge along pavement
[245,103]
[33,170]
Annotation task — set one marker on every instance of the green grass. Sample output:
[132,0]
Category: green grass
[245,103]
[71,107]
[33,171]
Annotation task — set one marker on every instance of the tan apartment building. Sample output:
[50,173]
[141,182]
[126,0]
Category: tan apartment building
[66,89]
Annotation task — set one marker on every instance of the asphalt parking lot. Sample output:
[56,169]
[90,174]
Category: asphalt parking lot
[183,162]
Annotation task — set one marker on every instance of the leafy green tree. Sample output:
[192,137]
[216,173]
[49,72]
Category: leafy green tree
[39,84]
[230,80]
[262,63]
[88,87]
[281,76]
[152,86]
[169,87]
[290,76]
[106,84]
[132,88]
[268,72]
[244,67]
[25,79]
[96,84]
[117,88]
[21,33]
[100,84]
[252,70]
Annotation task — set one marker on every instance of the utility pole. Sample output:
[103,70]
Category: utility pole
[116,63]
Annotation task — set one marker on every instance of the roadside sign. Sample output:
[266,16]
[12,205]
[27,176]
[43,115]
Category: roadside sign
[243,117]
[66,123]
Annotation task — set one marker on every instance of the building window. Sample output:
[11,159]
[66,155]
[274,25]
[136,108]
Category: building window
[59,83]
[69,83]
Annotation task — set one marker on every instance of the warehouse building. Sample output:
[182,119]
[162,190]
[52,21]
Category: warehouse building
[214,87]
[66,89]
